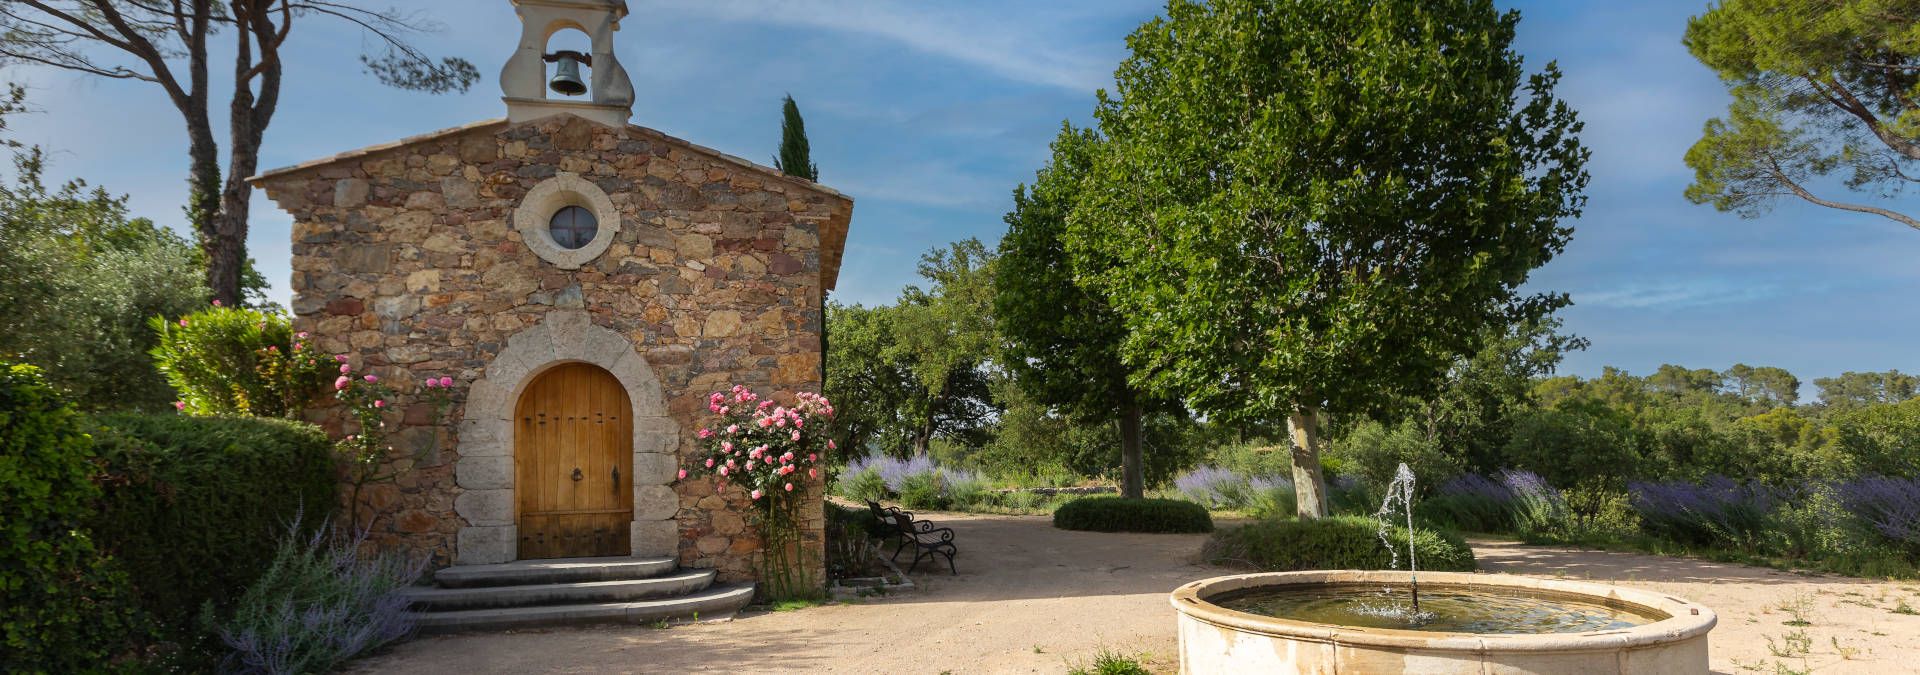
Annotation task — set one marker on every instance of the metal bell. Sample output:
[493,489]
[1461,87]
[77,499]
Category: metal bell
[566,75]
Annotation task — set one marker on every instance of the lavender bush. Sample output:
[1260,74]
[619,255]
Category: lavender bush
[317,605]
[918,481]
[1217,487]
[1471,502]
[1887,506]
[1538,508]
[1718,511]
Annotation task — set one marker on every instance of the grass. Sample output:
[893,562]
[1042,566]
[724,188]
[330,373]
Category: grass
[795,604]
[1108,662]
[1866,564]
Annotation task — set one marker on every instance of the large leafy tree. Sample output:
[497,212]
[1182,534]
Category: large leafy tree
[945,333]
[170,45]
[1062,341]
[79,279]
[1320,204]
[1820,87]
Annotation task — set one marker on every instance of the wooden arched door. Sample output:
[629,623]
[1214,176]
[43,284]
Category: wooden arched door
[573,464]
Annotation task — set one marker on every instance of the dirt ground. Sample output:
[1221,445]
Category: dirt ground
[1032,599]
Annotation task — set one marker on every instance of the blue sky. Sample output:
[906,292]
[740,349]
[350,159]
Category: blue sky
[929,114]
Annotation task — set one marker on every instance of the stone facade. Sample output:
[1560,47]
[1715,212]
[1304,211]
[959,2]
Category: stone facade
[407,258]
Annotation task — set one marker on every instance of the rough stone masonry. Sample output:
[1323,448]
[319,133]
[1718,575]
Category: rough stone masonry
[407,259]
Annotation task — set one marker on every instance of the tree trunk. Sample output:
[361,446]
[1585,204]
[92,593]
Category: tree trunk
[203,206]
[1133,482]
[1309,485]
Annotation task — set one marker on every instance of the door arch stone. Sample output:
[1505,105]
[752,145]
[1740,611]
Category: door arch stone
[485,470]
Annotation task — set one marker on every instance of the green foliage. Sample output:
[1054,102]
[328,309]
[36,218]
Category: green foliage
[1853,389]
[226,360]
[1341,227]
[795,159]
[1575,443]
[1062,341]
[1819,88]
[78,280]
[924,491]
[194,506]
[1121,514]
[61,601]
[1336,543]
[1371,452]
[1881,439]
[862,487]
[1111,663]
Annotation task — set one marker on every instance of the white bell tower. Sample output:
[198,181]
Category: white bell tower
[523,81]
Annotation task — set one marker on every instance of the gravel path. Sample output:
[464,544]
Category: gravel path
[1032,599]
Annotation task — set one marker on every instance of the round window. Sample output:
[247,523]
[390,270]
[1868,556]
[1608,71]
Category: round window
[573,227]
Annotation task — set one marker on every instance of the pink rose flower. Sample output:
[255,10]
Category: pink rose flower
[813,473]
[180,406]
[722,410]
[371,378]
[302,335]
[756,494]
[726,446]
[183,323]
[216,303]
[377,403]
[705,433]
[733,428]
[709,462]
[341,383]
[446,381]
[723,471]
[789,487]
[830,445]
[796,434]
[429,383]
[340,357]
[811,457]
[683,474]
[749,465]
[344,369]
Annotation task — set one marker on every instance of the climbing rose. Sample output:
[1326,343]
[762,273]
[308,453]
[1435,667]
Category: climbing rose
[683,473]
[756,494]
[446,381]
[796,434]
[341,383]
[709,462]
[379,403]
[371,378]
[705,433]
[340,357]
[180,405]
[789,487]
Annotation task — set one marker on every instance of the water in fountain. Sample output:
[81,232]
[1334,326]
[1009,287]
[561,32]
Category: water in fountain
[1399,492]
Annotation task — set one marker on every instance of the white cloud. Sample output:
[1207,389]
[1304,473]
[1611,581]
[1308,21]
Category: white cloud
[1676,294]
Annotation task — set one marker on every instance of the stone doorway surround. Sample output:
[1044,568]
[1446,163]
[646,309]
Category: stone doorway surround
[485,470]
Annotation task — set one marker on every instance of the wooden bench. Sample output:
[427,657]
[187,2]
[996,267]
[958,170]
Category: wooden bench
[927,539]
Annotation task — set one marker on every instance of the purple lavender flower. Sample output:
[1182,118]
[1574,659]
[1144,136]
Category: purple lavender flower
[1718,510]
[1890,506]
[1476,486]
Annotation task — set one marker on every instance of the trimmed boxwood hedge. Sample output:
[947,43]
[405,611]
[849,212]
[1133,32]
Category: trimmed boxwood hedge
[1119,514]
[194,507]
[1336,543]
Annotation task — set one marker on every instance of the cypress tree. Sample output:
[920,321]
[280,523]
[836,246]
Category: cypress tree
[794,158]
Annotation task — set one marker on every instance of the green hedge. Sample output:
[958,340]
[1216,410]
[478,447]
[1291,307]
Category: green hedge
[1117,514]
[1336,543]
[195,506]
[61,603]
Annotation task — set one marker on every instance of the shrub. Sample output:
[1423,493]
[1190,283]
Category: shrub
[1470,502]
[853,536]
[1716,512]
[194,506]
[924,491]
[1889,507]
[1338,542]
[1117,514]
[317,604]
[863,486]
[229,360]
[61,604]
[1372,452]
[1539,510]
[1272,497]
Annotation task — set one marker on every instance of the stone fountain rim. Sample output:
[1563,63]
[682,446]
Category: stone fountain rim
[1685,619]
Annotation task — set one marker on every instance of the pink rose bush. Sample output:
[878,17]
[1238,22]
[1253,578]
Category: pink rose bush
[369,401]
[760,445]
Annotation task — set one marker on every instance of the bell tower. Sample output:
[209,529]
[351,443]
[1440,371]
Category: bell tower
[608,94]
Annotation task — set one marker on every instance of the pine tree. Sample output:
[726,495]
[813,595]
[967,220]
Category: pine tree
[795,159]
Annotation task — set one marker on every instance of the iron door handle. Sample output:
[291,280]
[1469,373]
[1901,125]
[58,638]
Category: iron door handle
[577,475]
[616,480]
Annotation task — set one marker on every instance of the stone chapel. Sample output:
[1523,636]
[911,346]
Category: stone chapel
[586,282]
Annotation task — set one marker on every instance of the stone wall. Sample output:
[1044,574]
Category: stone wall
[406,259]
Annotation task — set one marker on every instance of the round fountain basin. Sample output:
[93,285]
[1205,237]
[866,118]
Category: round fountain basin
[1484,623]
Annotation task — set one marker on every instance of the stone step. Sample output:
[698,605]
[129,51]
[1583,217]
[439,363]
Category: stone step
[618,590]
[715,602]
[556,571]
